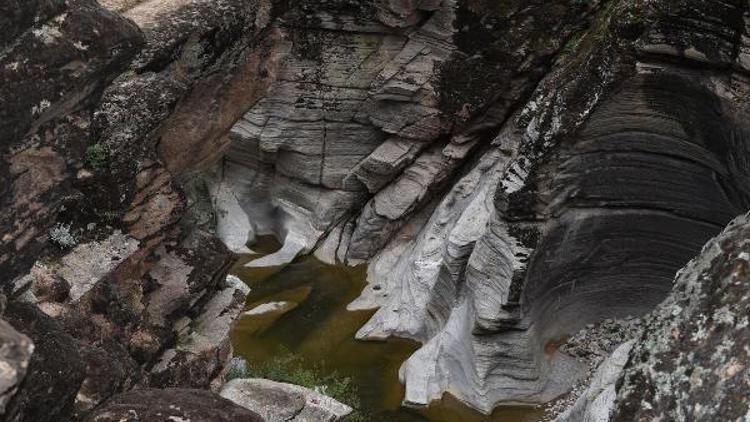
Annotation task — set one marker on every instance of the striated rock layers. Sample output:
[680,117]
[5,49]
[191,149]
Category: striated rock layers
[691,363]
[506,183]
[510,171]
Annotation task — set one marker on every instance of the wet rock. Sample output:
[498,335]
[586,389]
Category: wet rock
[172,404]
[260,318]
[276,401]
[270,307]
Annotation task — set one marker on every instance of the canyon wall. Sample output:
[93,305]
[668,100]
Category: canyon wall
[111,270]
[509,184]
[510,172]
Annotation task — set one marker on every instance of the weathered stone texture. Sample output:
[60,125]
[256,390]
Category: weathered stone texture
[511,171]
[172,404]
[79,144]
[692,361]
[277,401]
[56,57]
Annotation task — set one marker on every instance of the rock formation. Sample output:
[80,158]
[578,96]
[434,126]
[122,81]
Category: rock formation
[526,215]
[510,172]
[110,265]
[278,401]
[171,404]
[691,363]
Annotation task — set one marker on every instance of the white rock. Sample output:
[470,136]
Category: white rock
[270,307]
[276,401]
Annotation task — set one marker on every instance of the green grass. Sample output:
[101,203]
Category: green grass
[293,369]
[572,44]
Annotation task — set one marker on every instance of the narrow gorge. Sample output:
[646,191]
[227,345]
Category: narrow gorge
[428,210]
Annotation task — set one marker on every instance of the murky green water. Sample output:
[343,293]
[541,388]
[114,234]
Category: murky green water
[319,329]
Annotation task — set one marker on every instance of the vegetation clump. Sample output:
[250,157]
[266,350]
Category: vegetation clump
[62,236]
[290,368]
[96,156]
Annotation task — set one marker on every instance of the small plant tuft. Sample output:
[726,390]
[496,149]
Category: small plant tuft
[110,216]
[62,236]
[96,156]
[237,368]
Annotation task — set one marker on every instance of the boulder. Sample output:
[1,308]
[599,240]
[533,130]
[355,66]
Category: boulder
[57,57]
[277,401]
[172,404]
[55,370]
[15,356]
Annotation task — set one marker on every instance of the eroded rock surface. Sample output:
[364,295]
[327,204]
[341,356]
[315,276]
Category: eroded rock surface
[510,171]
[608,180]
[370,115]
[103,247]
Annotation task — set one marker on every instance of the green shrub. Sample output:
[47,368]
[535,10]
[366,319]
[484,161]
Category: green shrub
[96,156]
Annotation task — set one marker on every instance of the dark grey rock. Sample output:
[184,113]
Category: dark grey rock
[692,361]
[172,404]
[55,371]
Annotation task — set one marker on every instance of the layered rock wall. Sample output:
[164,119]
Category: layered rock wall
[625,161]
[510,171]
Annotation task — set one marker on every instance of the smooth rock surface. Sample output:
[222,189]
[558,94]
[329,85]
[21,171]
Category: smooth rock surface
[511,172]
[270,307]
[276,401]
